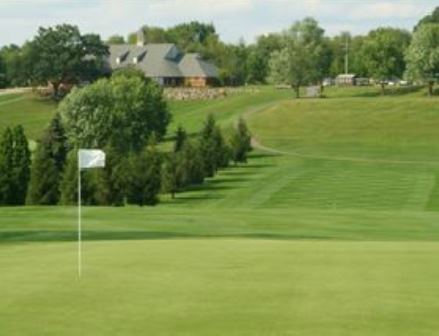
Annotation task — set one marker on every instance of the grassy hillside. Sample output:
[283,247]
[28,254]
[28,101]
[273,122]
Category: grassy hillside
[332,228]
[25,109]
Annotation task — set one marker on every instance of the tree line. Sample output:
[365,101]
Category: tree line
[126,116]
[299,55]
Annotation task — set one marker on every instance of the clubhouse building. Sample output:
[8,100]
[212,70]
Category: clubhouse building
[164,63]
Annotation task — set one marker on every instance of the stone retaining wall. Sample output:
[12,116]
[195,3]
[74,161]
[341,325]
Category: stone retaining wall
[204,93]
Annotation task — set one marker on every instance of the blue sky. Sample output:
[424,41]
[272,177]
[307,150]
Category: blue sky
[234,19]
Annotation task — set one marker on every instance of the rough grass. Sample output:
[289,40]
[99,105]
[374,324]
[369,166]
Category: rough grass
[332,230]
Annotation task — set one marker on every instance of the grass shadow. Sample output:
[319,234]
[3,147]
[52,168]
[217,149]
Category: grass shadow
[90,235]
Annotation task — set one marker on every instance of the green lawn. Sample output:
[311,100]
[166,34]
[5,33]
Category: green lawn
[25,109]
[332,228]
[220,287]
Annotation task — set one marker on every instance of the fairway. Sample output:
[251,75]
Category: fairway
[332,228]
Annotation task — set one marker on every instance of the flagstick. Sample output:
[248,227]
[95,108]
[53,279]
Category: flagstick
[79,220]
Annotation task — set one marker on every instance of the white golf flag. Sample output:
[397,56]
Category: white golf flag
[91,158]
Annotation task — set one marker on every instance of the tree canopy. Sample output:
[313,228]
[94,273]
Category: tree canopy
[123,111]
[423,55]
[303,58]
[61,54]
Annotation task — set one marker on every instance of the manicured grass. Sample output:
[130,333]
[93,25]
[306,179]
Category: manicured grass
[32,113]
[220,287]
[332,228]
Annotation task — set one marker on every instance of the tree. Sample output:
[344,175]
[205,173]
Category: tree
[69,182]
[6,166]
[192,162]
[48,165]
[240,142]
[180,139]
[20,166]
[61,54]
[16,65]
[115,39]
[45,178]
[431,18]
[123,112]
[221,150]
[144,182]
[300,61]
[110,180]
[3,82]
[383,53]
[259,55]
[150,35]
[423,55]
[172,174]
[208,147]
[189,37]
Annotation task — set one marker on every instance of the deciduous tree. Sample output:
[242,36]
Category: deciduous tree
[423,55]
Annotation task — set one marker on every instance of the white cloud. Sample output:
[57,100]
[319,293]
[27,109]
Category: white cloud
[387,10]
[20,19]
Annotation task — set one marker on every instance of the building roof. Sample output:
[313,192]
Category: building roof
[160,60]
[192,65]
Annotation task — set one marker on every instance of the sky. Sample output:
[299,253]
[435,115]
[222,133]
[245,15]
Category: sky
[233,19]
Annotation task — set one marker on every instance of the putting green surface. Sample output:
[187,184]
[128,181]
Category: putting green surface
[221,287]
[332,228]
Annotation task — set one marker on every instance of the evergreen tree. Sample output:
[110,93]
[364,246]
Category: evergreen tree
[171,174]
[44,177]
[208,147]
[240,142]
[192,163]
[145,177]
[110,180]
[69,182]
[50,156]
[21,166]
[6,165]
[180,139]
[222,151]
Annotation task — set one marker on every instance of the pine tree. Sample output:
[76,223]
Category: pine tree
[110,180]
[240,142]
[171,174]
[21,160]
[50,156]
[208,147]
[69,182]
[145,176]
[180,139]
[222,151]
[44,178]
[6,165]
[192,164]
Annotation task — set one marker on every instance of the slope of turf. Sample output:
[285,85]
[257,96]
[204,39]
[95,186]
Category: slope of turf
[332,228]
[32,113]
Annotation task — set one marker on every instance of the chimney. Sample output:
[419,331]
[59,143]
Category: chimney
[140,38]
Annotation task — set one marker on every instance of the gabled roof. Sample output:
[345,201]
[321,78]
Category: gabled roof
[192,65]
[160,60]
[156,60]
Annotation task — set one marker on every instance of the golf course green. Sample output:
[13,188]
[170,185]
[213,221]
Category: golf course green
[332,228]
